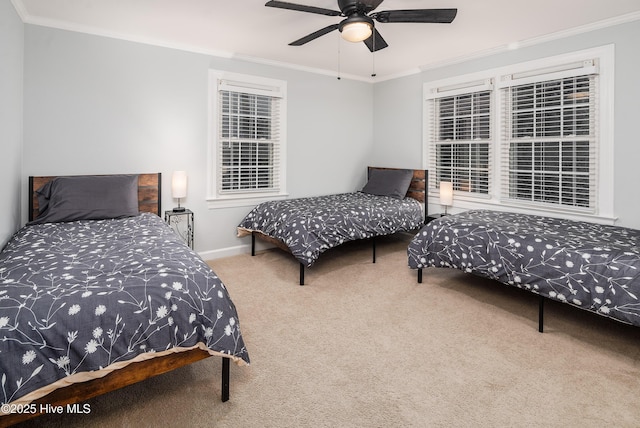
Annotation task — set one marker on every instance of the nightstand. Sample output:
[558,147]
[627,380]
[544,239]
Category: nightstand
[182,223]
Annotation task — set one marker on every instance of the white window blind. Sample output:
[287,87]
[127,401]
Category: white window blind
[459,119]
[249,138]
[549,137]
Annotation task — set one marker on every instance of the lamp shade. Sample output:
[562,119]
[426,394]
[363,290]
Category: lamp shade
[356,31]
[179,184]
[446,193]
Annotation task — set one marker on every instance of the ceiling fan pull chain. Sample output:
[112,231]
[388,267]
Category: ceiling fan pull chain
[373,53]
[373,65]
[339,44]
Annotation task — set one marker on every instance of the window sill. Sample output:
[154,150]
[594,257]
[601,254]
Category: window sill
[242,201]
[466,203]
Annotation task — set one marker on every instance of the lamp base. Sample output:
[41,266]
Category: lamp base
[179,209]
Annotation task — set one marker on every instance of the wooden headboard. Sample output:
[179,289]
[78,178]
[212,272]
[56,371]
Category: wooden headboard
[417,188]
[149,193]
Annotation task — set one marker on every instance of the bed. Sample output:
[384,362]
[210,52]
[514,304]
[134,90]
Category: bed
[391,201]
[591,266]
[97,292]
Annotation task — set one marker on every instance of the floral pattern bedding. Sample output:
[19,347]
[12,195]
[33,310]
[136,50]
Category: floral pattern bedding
[310,226]
[80,296]
[592,266]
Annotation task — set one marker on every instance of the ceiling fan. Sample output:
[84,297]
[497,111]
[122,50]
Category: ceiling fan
[358,25]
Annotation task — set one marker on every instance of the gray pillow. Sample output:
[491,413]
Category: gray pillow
[88,197]
[389,182]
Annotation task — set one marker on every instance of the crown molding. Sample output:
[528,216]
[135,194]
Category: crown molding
[325,72]
[61,25]
[605,23]
[610,22]
[19,7]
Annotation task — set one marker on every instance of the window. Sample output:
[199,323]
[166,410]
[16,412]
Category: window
[247,139]
[550,139]
[527,136]
[460,138]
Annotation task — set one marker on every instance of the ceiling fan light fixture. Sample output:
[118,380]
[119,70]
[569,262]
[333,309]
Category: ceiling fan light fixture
[356,29]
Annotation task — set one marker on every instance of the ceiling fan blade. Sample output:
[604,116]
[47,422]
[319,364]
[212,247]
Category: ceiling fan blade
[375,42]
[443,16]
[302,8]
[315,35]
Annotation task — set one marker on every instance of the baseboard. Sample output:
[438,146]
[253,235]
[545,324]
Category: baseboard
[225,252]
[233,251]
[260,246]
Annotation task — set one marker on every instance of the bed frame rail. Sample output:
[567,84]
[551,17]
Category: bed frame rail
[540,305]
[133,373]
[302,267]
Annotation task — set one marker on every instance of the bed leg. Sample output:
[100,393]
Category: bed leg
[253,244]
[225,379]
[301,274]
[373,242]
[420,276]
[541,314]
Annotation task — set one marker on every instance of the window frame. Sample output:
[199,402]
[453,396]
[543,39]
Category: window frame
[535,117]
[434,96]
[603,207]
[255,85]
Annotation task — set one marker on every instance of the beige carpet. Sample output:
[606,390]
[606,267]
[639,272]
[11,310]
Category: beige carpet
[364,345]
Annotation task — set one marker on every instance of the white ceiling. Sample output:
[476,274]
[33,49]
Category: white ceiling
[247,29]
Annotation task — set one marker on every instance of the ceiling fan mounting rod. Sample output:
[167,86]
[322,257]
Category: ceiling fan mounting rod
[349,7]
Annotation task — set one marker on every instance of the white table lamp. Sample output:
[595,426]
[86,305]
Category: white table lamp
[179,187]
[446,194]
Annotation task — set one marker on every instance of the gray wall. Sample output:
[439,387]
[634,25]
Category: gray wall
[11,59]
[398,107]
[97,105]
[398,122]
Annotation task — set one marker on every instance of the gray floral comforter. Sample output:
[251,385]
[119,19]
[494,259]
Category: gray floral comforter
[310,226]
[79,296]
[592,266]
